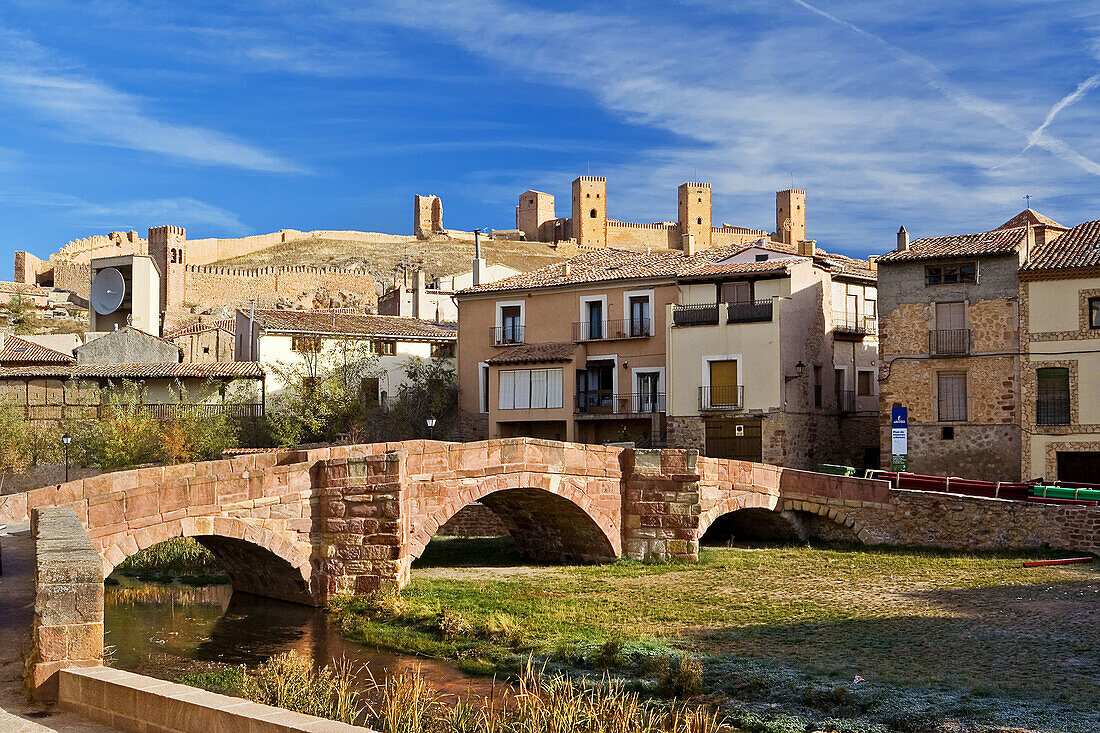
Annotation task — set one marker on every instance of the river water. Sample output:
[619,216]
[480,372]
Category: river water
[167,630]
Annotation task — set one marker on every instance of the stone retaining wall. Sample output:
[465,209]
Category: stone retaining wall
[67,629]
[133,703]
[473,520]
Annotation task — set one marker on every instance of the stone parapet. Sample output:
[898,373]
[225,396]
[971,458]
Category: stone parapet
[133,703]
[68,603]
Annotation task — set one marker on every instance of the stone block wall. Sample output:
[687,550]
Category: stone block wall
[217,286]
[68,602]
[661,505]
[473,520]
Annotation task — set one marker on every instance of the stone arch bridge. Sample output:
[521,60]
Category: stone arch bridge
[304,525]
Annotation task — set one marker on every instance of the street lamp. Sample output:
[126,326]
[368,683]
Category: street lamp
[66,439]
[431,426]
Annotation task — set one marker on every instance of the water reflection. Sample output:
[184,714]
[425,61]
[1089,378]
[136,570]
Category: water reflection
[165,631]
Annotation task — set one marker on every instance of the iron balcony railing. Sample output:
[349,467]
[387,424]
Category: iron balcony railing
[1052,410]
[721,398]
[606,403]
[695,315]
[506,335]
[628,328]
[852,324]
[950,342]
[751,311]
[846,401]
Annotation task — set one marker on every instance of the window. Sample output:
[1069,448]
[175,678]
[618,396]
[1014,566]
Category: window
[951,335]
[483,386]
[511,324]
[865,383]
[1094,312]
[592,214]
[594,318]
[723,383]
[384,348]
[736,292]
[699,220]
[530,389]
[761,258]
[817,385]
[951,274]
[639,315]
[206,349]
[305,344]
[445,350]
[952,396]
[1052,403]
[871,308]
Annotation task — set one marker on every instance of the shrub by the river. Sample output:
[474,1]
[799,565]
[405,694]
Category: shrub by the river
[176,558]
[290,681]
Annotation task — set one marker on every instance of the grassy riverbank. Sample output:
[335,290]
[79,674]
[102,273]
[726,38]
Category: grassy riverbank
[779,631]
[180,559]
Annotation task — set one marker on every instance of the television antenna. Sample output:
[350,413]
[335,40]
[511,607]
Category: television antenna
[108,290]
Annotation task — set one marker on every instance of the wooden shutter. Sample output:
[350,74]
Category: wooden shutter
[950,316]
[952,396]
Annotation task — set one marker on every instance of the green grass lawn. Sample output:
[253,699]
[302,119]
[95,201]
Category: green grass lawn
[942,635]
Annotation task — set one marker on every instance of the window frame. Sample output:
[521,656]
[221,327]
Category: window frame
[940,397]
[951,273]
[628,310]
[1093,312]
[549,400]
[871,384]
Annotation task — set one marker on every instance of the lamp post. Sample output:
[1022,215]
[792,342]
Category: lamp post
[431,426]
[65,440]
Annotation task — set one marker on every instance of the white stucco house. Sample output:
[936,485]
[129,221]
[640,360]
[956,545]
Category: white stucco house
[282,338]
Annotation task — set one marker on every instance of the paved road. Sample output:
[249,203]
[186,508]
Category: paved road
[17,714]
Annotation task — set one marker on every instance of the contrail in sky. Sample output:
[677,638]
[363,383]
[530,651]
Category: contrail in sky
[935,79]
[1072,98]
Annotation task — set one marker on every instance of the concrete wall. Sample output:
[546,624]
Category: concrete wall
[133,703]
[128,345]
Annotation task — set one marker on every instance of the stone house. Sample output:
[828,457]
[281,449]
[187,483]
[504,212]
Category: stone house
[949,336]
[1060,357]
[434,301]
[283,339]
[206,341]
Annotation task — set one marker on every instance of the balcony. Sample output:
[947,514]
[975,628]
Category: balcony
[853,326]
[506,335]
[1052,410]
[606,403]
[628,328]
[721,398]
[951,342]
[695,315]
[752,311]
[846,401]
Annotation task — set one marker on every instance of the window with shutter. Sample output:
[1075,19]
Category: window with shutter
[952,396]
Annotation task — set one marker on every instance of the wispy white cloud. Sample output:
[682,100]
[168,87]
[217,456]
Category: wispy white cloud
[91,111]
[1073,97]
[128,214]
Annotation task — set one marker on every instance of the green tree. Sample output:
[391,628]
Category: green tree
[321,395]
[12,429]
[20,314]
[127,434]
[196,432]
[430,388]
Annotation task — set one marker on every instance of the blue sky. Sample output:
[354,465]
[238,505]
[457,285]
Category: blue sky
[239,118]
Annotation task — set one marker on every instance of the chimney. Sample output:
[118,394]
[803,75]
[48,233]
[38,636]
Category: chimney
[807,247]
[1029,243]
[903,240]
[689,244]
[565,269]
[479,264]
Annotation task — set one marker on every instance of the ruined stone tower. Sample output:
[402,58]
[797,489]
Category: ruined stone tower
[590,211]
[694,215]
[534,209]
[167,248]
[427,216]
[790,216]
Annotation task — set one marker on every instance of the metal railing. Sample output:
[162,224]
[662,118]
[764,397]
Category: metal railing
[721,398]
[506,335]
[695,315]
[852,324]
[950,342]
[750,311]
[1052,410]
[606,403]
[627,328]
[159,410]
[846,401]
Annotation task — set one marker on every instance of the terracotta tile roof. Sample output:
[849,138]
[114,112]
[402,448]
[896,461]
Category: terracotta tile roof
[608,265]
[707,269]
[1027,216]
[229,325]
[351,322]
[535,353]
[223,369]
[20,351]
[1078,247]
[996,242]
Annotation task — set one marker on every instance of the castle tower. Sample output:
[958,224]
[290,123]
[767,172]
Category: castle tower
[790,216]
[167,248]
[694,215]
[535,208]
[590,211]
[427,216]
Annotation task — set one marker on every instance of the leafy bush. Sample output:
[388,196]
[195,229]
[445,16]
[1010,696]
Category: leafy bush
[174,557]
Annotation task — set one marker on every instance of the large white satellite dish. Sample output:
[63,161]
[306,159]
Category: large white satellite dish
[108,290]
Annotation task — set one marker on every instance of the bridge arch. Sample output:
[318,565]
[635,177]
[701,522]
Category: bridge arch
[550,515]
[257,560]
